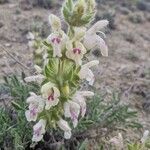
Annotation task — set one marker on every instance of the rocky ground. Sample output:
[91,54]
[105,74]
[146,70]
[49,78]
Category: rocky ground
[126,70]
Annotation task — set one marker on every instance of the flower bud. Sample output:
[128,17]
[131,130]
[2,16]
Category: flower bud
[66,90]
[79,15]
[80,7]
[91,5]
[54,22]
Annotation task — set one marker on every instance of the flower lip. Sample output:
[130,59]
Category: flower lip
[76,51]
[33,111]
[98,26]
[73,115]
[51,95]
[37,131]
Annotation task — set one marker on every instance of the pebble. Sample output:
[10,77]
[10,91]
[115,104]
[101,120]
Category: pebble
[124,10]
[25,5]
[129,37]
[146,104]
[3,1]
[30,36]
[8,45]
[1,24]
[31,44]
[143,5]
[12,5]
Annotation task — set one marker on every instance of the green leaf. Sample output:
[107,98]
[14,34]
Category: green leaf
[66,13]
[84,145]
[69,4]
[147,144]
[16,106]
[87,18]
[46,44]
[51,69]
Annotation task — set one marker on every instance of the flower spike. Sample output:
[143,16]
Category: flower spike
[60,72]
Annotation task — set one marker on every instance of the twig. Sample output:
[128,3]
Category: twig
[4,49]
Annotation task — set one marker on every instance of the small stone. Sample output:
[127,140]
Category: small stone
[132,56]
[143,5]
[25,5]
[3,1]
[146,104]
[30,36]
[124,10]
[147,16]
[14,39]
[12,5]
[1,24]
[18,11]
[8,45]
[129,37]
[31,44]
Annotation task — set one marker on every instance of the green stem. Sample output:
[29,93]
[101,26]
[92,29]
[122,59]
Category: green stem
[48,116]
[71,32]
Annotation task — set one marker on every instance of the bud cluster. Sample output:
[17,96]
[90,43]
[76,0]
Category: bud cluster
[60,77]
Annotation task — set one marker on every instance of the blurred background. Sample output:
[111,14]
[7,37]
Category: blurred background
[126,70]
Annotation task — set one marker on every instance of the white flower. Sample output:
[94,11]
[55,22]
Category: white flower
[63,125]
[36,105]
[30,36]
[54,22]
[31,114]
[51,94]
[72,110]
[38,130]
[79,98]
[145,136]
[57,40]
[92,40]
[117,141]
[86,73]
[37,78]
[75,51]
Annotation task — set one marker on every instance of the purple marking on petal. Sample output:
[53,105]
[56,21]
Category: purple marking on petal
[73,115]
[53,40]
[37,132]
[33,111]
[76,50]
[51,97]
[56,40]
